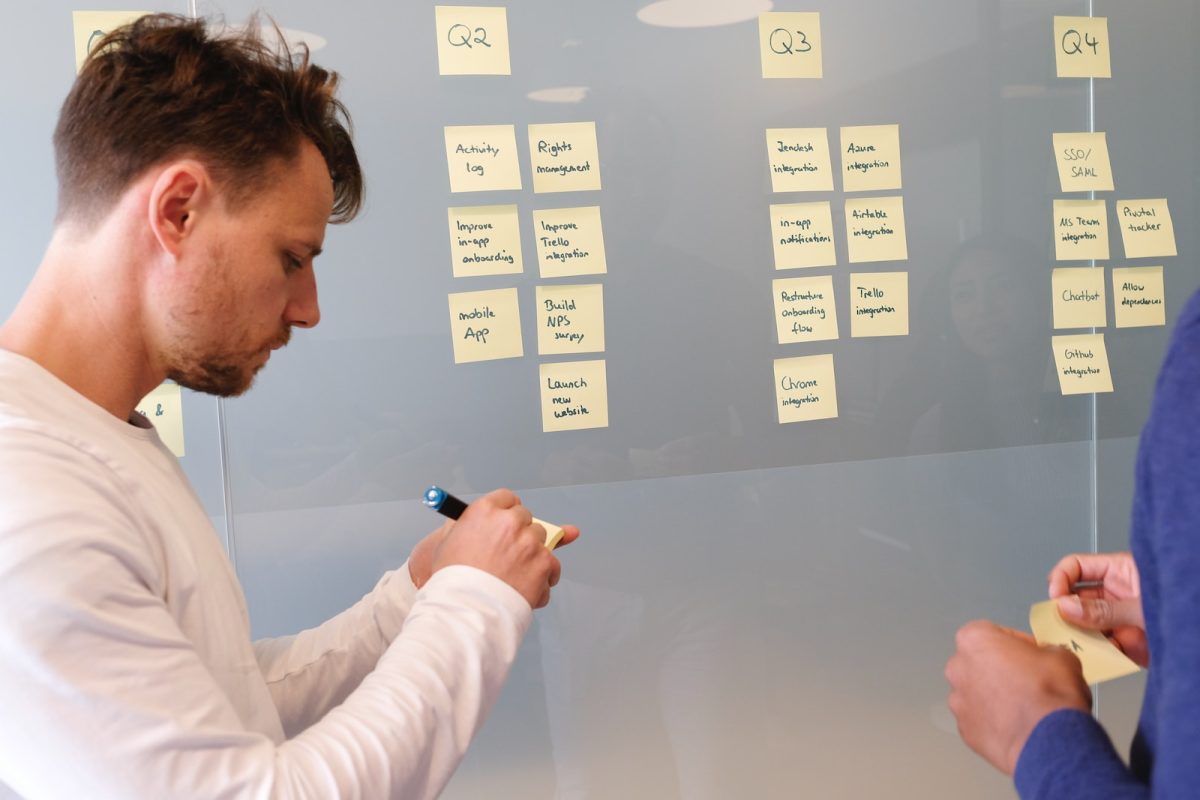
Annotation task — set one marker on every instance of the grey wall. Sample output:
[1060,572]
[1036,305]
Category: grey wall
[755,610]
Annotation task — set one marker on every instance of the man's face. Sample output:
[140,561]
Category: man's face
[248,279]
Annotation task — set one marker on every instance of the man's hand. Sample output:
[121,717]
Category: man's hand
[497,535]
[1114,609]
[420,560]
[1002,684]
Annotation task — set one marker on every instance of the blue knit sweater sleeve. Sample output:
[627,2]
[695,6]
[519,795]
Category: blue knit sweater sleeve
[1069,755]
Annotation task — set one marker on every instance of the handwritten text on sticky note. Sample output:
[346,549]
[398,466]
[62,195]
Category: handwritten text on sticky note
[472,40]
[485,325]
[482,158]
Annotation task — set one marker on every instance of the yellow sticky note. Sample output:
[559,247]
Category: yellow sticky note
[870,158]
[1081,47]
[485,325]
[878,304]
[805,388]
[875,229]
[1101,659]
[802,235]
[1078,297]
[799,159]
[570,319]
[804,309]
[1082,160]
[164,408]
[472,40]
[790,44]
[485,240]
[1146,228]
[1080,230]
[554,533]
[1082,363]
[1138,297]
[565,157]
[482,158]
[92,26]
[570,241]
[574,395]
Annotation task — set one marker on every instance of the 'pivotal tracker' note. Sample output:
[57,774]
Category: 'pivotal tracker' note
[164,408]
[1146,228]
[482,158]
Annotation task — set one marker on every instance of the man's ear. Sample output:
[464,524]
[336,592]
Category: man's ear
[181,193]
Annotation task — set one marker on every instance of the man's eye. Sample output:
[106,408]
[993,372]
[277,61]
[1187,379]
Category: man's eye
[291,263]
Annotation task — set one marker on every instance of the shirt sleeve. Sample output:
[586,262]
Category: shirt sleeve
[103,696]
[1069,755]
[312,671]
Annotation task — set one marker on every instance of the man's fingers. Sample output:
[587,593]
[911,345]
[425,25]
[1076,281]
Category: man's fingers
[1100,613]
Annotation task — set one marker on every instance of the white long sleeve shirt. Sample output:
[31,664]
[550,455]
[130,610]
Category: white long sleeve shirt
[126,665]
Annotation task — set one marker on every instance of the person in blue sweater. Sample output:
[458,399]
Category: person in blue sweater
[1026,708]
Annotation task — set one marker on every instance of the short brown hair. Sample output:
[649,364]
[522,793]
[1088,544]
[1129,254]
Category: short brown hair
[164,87]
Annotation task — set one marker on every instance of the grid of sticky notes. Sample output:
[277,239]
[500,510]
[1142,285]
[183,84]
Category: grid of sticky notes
[164,408]
[566,313]
[1083,231]
[804,236]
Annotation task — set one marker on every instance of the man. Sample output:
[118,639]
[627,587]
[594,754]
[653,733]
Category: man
[1026,708]
[196,177]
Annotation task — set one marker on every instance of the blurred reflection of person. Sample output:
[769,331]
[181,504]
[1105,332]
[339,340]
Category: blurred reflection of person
[982,374]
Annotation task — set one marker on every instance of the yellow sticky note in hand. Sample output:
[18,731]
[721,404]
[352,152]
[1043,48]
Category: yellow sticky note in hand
[164,408]
[1101,659]
[554,533]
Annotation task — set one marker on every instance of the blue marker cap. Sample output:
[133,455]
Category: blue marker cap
[434,497]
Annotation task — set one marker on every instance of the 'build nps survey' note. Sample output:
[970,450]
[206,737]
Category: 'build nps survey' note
[472,40]
[1082,363]
[570,319]
[799,160]
[1082,160]
[485,240]
[482,158]
[1101,659]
